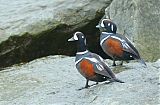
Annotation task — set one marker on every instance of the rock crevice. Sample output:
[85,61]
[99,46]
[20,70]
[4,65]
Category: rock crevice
[37,29]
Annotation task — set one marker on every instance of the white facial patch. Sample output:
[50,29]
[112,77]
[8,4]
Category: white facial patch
[75,36]
[85,42]
[102,24]
[109,24]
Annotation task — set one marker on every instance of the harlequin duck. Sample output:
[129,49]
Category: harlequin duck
[91,65]
[116,45]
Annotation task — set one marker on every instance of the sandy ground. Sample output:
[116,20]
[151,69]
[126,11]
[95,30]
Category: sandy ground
[54,80]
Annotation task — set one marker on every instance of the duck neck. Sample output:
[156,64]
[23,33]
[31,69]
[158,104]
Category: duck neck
[81,46]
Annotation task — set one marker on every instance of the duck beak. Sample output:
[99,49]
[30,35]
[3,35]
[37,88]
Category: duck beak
[71,39]
[98,26]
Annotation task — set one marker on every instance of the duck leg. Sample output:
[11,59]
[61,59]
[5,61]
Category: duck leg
[121,63]
[86,86]
[114,62]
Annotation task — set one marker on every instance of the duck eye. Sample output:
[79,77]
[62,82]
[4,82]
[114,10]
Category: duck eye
[82,36]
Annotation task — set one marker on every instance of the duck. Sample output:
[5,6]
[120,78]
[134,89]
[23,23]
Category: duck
[116,45]
[90,65]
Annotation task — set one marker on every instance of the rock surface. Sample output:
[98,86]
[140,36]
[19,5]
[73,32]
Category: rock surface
[54,80]
[31,29]
[140,20]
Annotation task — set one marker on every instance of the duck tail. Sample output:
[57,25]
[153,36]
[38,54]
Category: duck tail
[142,62]
[116,80]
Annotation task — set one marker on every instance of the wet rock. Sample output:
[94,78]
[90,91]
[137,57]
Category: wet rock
[54,80]
[140,20]
[31,29]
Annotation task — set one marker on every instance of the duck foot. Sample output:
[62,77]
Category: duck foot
[87,86]
[114,64]
[108,82]
[83,88]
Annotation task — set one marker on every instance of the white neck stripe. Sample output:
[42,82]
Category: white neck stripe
[112,27]
[82,52]
[91,59]
[78,61]
[106,33]
[104,39]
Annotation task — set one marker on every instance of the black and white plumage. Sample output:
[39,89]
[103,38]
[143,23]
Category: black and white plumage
[90,65]
[116,45]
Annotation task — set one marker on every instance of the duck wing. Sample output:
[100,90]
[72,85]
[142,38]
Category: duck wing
[101,67]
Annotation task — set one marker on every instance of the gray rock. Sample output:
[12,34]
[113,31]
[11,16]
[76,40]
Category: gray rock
[31,29]
[140,20]
[54,80]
